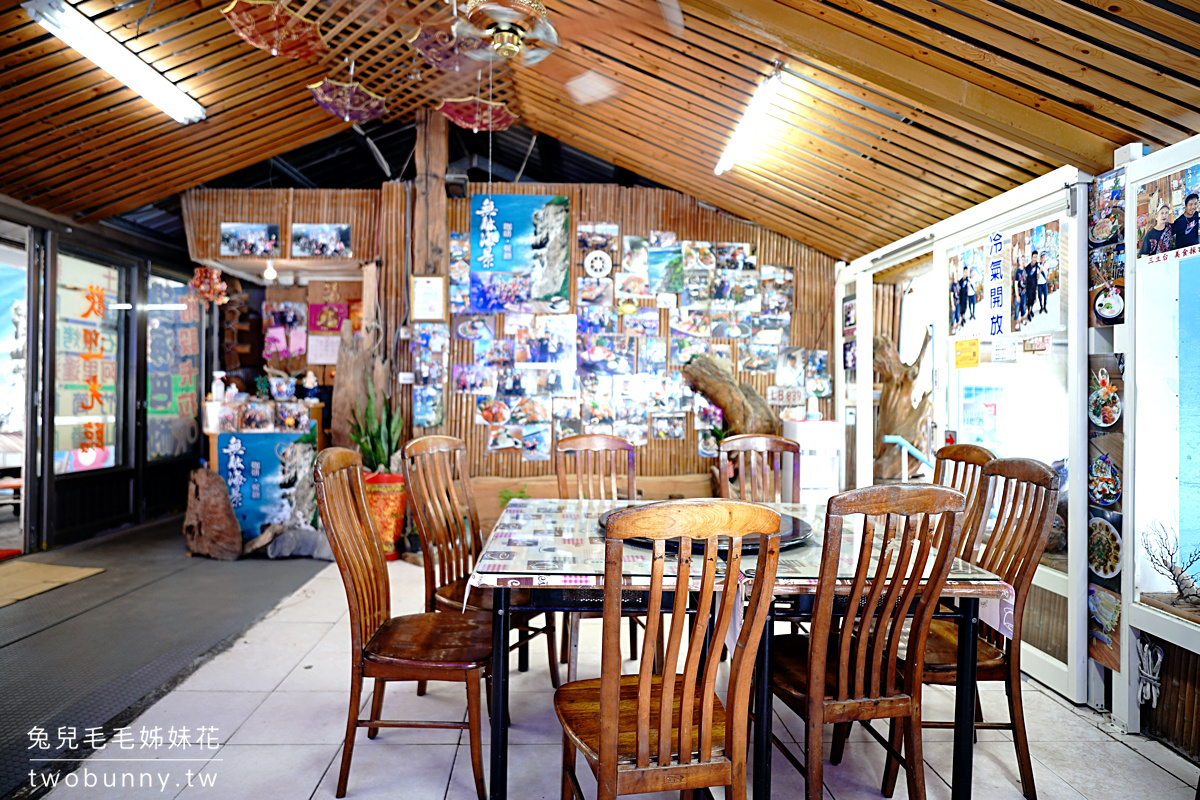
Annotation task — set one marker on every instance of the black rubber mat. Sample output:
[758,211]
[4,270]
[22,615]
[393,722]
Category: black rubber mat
[80,655]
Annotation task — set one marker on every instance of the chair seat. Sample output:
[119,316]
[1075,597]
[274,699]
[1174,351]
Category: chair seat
[789,671]
[451,596]
[578,703]
[941,655]
[432,639]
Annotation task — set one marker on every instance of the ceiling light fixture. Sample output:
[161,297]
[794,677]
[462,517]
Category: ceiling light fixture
[269,273]
[62,20]
[749,132]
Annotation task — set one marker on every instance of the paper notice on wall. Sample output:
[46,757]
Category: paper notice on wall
[966,353]
[323,349]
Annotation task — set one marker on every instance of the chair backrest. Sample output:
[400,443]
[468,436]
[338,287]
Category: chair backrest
[1028,492]
[447,524]
[960,466]
[759,460]
[599,462]
[685,521]
[909,533]
[354,539]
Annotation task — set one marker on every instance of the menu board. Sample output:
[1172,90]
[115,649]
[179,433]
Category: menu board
[172,369]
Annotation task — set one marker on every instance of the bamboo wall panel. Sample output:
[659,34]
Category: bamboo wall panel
[205,209]
[1176,719]
[1045,623]
[638,211]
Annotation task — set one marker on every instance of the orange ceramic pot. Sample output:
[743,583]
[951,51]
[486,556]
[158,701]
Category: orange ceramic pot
[387,498]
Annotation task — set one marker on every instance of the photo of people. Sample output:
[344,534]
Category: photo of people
[550,342]
[321,241]
[778,290]
[497,353]
[428,407]
[249,239]
[734,255]
[643,322]
[636,255]
[1168,213]
[735,291]
[499,291]
[653,355]
[668,426]
[600,319]
[473,379]
[603,354]
[429,368]
[966,269]
[593,291]
[697,289]
[1033,282]
[790,366]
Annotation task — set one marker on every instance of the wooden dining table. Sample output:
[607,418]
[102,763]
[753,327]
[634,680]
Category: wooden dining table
[555,549]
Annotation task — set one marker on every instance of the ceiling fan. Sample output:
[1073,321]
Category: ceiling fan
[520,32]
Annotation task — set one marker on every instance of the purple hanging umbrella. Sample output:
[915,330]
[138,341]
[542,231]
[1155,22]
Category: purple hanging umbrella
[347,101]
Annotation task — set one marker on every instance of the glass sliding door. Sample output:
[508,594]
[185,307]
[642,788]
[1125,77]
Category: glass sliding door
[173,378]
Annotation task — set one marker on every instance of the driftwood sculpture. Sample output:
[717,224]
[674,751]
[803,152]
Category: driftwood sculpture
[897,413]
[743,409]
[1162,546]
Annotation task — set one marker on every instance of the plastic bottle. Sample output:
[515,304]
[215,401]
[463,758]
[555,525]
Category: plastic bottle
[218,387]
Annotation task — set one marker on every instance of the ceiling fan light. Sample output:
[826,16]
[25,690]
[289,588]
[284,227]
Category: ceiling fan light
[506,42]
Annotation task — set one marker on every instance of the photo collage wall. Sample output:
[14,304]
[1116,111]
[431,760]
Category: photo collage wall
[644,304]
[1106,419]
[308,240]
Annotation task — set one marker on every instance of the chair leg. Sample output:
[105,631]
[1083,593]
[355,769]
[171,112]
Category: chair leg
[914,758]
[568,767]
[351,729]
[814,741]
[841,732]
[633,637]
[891,768]
[565,648]
[376,706]
[421,688]
[552,648]
[474,732]
[1016,713]
[573,648]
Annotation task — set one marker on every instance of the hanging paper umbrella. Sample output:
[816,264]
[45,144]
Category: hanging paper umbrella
[478,114]
[445,45]
[347,101]
[207,285]
[268,25]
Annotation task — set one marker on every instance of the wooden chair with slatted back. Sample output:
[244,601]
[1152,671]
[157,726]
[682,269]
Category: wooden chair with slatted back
[960,466]
[597,467]
[451,540]
[759,460]
[1028,498]
[413,647]
[648,732]
[847,669]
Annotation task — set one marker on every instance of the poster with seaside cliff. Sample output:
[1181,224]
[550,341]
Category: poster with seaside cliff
[520,254]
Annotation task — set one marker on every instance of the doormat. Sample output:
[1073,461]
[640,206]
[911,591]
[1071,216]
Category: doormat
[9,553]
[21,579]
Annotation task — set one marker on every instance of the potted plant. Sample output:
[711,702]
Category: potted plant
[376,432]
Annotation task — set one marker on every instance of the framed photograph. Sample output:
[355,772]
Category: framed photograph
[849,315]
[428,298]
[321,241]
[250,239]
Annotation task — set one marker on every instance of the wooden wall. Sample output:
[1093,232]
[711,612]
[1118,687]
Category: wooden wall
[637,211]
[1176,719]
[205,209]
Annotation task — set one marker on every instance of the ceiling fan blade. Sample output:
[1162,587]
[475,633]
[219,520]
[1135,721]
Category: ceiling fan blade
[533,55]
[501,14]
[465,30]
[591,87]
[484,54]
[672,15]
[545,32]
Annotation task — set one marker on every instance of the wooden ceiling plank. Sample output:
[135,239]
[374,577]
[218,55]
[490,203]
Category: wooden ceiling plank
[1084,51]
[188,152]
[645,139]
[984,68]
[652,103]
[400,29]
[1109,26]
[809,36]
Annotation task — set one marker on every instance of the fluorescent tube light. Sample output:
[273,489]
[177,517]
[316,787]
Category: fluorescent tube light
[120,306]
[164,307]
[62,20]
[747,135]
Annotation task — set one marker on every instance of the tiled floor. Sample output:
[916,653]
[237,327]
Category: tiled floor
[277,700]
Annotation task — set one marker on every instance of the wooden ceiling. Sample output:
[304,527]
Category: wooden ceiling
[892,114]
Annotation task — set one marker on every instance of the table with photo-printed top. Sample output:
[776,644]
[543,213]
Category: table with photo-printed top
[558,544]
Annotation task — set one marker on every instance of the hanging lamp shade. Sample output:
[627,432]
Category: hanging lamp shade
[478,114]
[347,101]
[268,25]
[445,45]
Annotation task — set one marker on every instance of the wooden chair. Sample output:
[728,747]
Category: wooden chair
[413,647]
[650,732]
[600,465]
[960,466]
[759,460]
[1028,492]
[451,540]
[848,668]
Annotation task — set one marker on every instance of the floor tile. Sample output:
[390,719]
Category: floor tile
[261,659]
[255,772]
[1163,756]
[223,711]
[1106,770]
[390,771]
[296,718]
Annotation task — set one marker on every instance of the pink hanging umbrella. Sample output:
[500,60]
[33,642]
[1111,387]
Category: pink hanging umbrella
[268,25]
[445,45]
[347,101]
[478,114]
